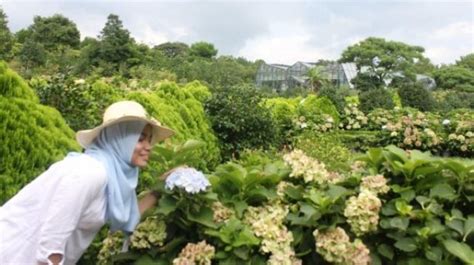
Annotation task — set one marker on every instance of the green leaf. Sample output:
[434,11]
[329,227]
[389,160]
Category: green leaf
[386,251]
[240,207]
[335,192]
[406,244]
[468,227]
[400,223]
[204,217]
[460,250]
[443,191]
[145,260]
[434,254]
[295,193]
[166,205]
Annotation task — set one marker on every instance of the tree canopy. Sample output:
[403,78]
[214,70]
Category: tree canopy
[54,32]
[383,58]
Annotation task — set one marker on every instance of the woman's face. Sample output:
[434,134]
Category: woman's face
[142,150]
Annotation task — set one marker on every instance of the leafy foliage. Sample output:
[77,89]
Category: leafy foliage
[239,121]
[416,96]
[375,98]
[33,136]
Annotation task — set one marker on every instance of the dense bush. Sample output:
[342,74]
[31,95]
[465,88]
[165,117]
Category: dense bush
[336,95]
[327,148]
[447,101]
[239,121]
[312,108]
[79,102]
[33,136]
[375,98]
[179,110]
[283,112]
[416,96]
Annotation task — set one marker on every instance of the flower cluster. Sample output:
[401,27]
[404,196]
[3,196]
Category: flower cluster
[111,246]
[358,166]
[311,170]
[148,234]
[379,118]
[267,224]
[320,123]
[189,179]
[412,132]
[281,187]
[335,246]
[221,213]
[462,139]
[376,184]
[362,212]
[352,118]
[199,254]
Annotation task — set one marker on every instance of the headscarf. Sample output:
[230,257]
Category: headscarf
[114,148]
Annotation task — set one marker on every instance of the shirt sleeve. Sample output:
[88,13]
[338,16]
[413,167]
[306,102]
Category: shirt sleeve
[72,196]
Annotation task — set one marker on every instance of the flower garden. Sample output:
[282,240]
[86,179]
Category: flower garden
[278,180]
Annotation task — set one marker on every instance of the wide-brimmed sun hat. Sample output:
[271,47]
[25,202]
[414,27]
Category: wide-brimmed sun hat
[124,111]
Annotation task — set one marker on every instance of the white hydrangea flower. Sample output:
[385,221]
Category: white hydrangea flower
[189,179]
[446,122]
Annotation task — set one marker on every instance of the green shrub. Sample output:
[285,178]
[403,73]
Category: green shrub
[80,103]
[239,121]
[416,96]
[13,86]
[327,148]
[33,136]
[375,98]
[312,107]
[447,101]
[336,95]
[199,91]
[283,112]
[177,109]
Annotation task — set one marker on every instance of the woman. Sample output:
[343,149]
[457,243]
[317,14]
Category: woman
[54,219]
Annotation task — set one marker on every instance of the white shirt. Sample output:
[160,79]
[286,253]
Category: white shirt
[58,212]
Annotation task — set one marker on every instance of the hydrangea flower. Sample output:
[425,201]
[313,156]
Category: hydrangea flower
[362,212]
[195,253]
[148,234]
[446,122]
[335,246]
[267,223]
[189,179]
[376,184]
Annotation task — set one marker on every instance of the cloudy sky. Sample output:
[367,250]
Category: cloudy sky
[275,31]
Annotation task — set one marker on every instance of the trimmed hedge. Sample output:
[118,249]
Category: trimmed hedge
[33,136]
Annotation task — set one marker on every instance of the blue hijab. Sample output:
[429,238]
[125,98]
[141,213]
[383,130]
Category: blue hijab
[114,148]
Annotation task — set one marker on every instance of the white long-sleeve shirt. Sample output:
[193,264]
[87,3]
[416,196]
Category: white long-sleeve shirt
[59,212]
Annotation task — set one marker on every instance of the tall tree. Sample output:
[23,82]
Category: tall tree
[55,32]
[383,58]
[115,42]
[6,38]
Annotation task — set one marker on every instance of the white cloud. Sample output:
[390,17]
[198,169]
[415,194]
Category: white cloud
[285,43]
[463,28]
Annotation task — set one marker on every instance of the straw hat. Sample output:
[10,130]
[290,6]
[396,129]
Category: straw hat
[124,111]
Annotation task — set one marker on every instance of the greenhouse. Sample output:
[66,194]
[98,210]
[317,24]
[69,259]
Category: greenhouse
[282,77]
